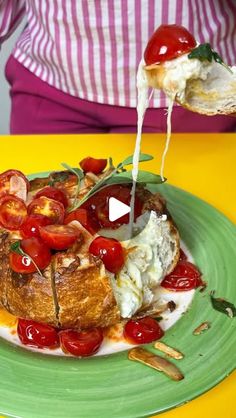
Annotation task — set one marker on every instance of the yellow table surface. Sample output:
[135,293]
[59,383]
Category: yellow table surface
[203,164]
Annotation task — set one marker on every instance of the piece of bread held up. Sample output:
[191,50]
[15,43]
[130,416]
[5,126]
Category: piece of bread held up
[192,74]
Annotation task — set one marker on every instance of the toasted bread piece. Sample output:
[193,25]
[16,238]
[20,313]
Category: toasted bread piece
[75,290]
[28,296]
[210,93]
[84,293]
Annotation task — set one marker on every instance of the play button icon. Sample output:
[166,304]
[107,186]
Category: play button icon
[117,209]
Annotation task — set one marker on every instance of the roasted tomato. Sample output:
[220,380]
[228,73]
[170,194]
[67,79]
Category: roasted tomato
[13,212]
[98,205]
[185,276]
[39,255]
[15,183]
[58,237]
[82,344]
[53,209]
[37,335]
[53,193]
[93,165]
[168,42]
[110,251]
[86,220]
[30,227]
[142,331]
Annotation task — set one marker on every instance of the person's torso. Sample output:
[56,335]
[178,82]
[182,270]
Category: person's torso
[91,48]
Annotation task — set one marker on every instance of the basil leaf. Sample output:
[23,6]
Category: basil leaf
[143,177]
[204,52]
[16,248]
[129,160]
[223,306]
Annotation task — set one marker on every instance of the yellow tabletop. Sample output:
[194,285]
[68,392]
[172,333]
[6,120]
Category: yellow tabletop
[203,164]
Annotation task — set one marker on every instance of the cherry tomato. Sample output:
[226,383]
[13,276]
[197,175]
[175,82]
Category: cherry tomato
[36,250]
[13,212]
[53,193]
[58,237]
[37,335]
[185,276]
[93,165]
[53,209]
[82,344]
[30,227]
[110,251]
[98,205]
[142,331]
[86,220]
[168,42]
[182,255]
[14,182]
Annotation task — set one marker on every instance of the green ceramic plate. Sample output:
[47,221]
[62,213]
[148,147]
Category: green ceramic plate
[34,385]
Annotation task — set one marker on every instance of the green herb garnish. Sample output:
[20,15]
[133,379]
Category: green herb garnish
[119,175]
[204,52]
[223,306]
[58,177]
[16,248]
[79,174]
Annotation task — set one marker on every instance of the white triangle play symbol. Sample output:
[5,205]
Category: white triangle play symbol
[117,209]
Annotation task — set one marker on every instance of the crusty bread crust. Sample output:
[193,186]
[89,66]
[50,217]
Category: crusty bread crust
[206,97]
[75,290]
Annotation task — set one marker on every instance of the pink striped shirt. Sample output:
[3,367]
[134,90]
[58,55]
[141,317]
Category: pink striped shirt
[91,48]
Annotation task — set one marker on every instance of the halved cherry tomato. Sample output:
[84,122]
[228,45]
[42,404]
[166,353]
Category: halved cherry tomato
[30,227]
[53,193]
[93,165]
[37,251]
[82,344]
[98,205]
[37,335]
[184,277]
[168,42]
[53,209]
[142,331]
[86,220]
[13,212]
[9,183]
[58,237]
[110,251]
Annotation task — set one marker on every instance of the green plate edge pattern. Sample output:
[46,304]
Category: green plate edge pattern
[35,385]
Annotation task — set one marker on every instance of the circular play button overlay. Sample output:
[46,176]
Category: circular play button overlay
[111,207]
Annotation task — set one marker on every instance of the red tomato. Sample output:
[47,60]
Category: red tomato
[13,212]
[53,193]
[142,331]
[36,250]
[110,251]
[86,220]
[82,344]
[37,335]
[185,276]
[54,210]
[58,237]
[98,205]
[93,165]
[168,42]
[8,185]
[30,227]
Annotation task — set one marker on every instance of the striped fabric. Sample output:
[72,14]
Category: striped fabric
[91,48]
